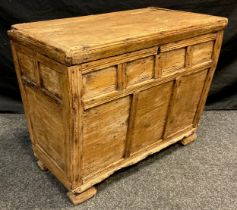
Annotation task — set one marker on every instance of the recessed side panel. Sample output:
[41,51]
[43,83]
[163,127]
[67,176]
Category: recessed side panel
[104,135]
[150,117]
[43,91]
[50,80]
[27,67]
[185,102]
[48,126]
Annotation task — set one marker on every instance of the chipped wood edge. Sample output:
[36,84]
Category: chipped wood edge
[41,165]
[52,166]
[76,198]
[142,86]
[189,139]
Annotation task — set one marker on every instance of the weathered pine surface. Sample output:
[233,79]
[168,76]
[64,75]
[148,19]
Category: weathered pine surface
[102,92]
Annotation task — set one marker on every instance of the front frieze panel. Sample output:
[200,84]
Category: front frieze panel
[122,78]
[99,82]
[140,70]
[172,61]
[201,53]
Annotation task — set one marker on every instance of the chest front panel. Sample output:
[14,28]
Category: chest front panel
[134,101]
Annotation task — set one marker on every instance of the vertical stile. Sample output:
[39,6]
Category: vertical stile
[124,66]
[157,72]
[68,122]
[75,128]
[157,65]
[177,82]
[188,58]
[132,115]
[121,76]
[37,71]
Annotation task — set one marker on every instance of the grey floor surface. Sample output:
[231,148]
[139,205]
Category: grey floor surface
[202,175]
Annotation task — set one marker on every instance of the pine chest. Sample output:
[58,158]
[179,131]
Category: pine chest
[102,92]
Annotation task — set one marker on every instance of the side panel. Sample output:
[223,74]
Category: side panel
[43,83]
[48,126]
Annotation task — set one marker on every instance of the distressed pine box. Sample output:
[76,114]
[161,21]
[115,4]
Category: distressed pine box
[102,92]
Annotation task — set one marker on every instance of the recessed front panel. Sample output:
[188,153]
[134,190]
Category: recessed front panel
[172,61]
[104,135]
[202,52]
[185,102]
[100,82]
[140,70]
[150,117]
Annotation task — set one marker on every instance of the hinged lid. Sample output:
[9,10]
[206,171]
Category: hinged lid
[81,39]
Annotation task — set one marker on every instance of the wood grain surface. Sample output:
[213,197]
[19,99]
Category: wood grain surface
[96,104]
[78,40]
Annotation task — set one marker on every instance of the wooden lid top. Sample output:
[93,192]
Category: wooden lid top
[78,40]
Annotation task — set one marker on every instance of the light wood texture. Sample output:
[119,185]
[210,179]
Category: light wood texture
[50,80]
[172,61]
[151,112]
[105,147]
[96,104]
[139,70]
[189,139]
[133,159]
[82,197]
[73,40]
[215,56]
[202,52]
[185,102]
[41,166]
[99,82]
